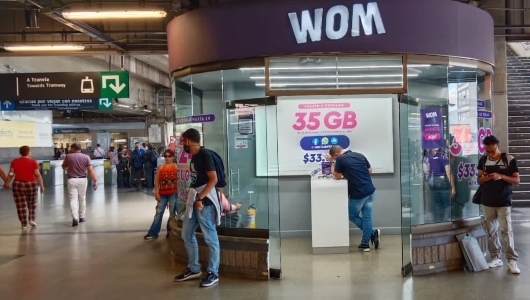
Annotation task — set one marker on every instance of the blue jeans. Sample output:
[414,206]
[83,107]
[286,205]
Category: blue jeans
[362,206]
[160,208]
[206,218]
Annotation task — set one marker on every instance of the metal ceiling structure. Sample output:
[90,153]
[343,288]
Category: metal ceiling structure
[98,36]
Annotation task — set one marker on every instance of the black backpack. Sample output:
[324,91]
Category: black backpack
[219,169]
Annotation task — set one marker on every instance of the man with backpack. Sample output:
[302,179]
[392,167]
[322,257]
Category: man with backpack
[497,172]
[137,165]
[203,209]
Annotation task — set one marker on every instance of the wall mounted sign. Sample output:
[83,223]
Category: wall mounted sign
[312,25]
[25,133]
[432,132]
[94,85]
[309,126]
[195,119]
[57,104]
[70,130]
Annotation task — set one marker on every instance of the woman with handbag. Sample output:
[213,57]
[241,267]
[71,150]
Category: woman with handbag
[441,184]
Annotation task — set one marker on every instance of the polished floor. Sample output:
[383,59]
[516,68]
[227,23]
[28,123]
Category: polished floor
[107,258]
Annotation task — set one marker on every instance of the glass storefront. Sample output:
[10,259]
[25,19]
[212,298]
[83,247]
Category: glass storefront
[444,109]
[231,113]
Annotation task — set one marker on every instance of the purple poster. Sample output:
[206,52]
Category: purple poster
[432,131]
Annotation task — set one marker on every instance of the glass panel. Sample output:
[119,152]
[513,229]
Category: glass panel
[408,166]
[239,133]
[463,125]
[328,72]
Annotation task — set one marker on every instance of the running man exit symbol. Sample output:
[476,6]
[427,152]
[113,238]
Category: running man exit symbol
[115,84]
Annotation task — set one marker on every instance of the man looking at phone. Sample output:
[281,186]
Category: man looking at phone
[77,165]
[497,172]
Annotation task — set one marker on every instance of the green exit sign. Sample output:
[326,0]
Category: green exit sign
[114,85]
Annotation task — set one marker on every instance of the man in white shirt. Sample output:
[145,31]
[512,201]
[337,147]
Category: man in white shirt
[99,153]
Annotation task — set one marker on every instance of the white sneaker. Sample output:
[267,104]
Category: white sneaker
[495,262]
[512,265]
[32,223]
[24,227]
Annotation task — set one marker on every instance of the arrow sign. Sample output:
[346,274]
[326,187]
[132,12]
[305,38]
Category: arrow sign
[105,104]
[8,105]
[115,84]
[115,88]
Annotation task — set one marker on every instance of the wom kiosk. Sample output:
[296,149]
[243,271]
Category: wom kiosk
[288,79]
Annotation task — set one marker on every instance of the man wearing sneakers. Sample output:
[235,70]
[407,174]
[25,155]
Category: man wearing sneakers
[361,192]
[77,165]
[497,172]
[203,209]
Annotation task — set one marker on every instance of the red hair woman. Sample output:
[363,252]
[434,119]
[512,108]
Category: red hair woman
[25,171]
[165,193]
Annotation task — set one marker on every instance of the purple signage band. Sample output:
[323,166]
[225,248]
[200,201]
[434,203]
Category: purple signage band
[485,114]
[432,132]
[481,104]
[245,29]
[195,119]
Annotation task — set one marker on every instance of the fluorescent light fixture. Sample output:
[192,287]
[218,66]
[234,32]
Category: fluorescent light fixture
[42,47]
[114,14]
[120,141]
[331,76]
[149,111]
[329,83]
[122,105]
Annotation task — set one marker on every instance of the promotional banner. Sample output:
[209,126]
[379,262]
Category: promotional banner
[14,134]
[309,126]
[432,130]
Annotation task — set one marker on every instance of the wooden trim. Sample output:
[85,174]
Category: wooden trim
[277,93]
[219,66]
[405,74]
[267,77]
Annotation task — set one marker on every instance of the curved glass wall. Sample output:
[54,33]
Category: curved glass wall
[232,113]
[443,119]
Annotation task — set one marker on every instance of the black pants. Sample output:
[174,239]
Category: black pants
[136,176]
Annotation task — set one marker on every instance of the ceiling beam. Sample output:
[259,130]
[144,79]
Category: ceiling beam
[79,26]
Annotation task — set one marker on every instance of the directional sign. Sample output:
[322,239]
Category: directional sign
[114,84]
[58,104]
[7,105]
[50,86]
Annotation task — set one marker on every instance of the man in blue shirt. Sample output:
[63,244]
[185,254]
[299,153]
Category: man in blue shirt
[361,191]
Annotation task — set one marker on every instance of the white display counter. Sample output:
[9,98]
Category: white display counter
[329,216]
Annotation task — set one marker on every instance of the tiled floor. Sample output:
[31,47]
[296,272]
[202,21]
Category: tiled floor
[106,258]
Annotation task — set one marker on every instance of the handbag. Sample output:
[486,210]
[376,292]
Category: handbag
[477,198]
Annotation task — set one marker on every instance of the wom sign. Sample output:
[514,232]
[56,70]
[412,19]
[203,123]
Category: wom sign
[307,25]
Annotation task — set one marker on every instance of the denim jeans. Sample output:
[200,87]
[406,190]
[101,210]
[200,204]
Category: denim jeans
[363,206]
[206,218]
[160,208]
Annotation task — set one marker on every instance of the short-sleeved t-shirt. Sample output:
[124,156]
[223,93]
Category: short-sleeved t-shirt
[24,168]
[201,163]
[354,167]
[437,162]
[497,193]
[77,163]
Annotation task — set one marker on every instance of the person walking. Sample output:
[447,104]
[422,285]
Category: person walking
[202,209]
[497,172]
[77,165]
[99,153]
[137,165]
[3,174]
[25,171]
[165,194]
[361,191]
[441,184]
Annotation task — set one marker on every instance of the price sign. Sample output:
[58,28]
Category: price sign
[309,126]
[466,171]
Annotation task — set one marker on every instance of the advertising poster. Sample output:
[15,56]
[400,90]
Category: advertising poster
[183,173]
[17,133]
[432,130]
[309,126]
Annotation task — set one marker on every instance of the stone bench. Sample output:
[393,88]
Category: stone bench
[244,252]
[436,249]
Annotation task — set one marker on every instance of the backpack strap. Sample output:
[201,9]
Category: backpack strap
[504,158]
